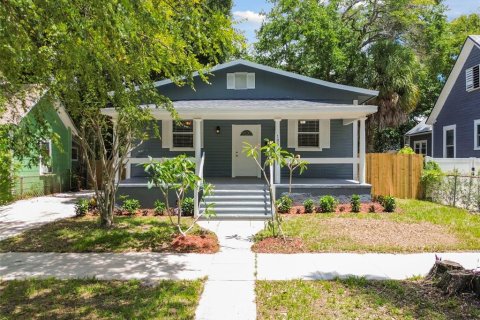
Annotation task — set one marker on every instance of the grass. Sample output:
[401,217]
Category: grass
[357,298]
[85,235]
[417,226]
[94,299]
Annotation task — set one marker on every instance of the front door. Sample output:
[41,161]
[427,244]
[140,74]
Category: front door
[242,166]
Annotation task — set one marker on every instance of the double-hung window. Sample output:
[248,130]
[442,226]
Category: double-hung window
[476,134]
[46,157]
[308,134]
[420,147]
[449,143]
[182,134]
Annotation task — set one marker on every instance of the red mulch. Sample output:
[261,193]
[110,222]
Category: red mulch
[278,245]
[139,213]
[195,244]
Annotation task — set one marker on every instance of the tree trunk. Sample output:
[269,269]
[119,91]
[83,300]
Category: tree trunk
[106,206]
[441,267]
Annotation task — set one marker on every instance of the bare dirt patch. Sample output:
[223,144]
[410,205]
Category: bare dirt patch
[389,233]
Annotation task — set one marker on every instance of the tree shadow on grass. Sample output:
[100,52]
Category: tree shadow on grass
[92,299]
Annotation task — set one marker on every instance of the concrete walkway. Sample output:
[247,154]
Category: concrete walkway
[230,289]
[26,214]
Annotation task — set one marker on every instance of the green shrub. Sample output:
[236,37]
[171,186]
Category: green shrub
[406,150]
[131,206]
[389,204]
[431,177]
[327,204]
[355,202]
[81,207]
[284,204]
[159,207]
[188,207]
[308,205]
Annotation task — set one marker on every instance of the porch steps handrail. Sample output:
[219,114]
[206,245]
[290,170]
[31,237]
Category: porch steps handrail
[196,204]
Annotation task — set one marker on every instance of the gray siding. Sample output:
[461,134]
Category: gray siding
[461,108]
[425,136]
[267,86]
[218,149]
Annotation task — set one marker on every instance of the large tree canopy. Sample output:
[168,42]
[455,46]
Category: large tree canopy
[93,54]
[403,48]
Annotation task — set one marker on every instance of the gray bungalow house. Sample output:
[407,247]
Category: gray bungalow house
[323,122]
[455,119]
[419,138]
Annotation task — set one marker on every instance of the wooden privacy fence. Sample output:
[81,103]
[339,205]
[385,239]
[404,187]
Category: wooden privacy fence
[396,175]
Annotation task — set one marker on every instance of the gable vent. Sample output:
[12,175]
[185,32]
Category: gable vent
[241,80]
[473,78]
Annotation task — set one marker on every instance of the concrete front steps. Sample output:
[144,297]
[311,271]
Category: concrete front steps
[240,201]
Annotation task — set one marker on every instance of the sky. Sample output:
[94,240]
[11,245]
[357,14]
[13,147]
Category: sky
[248,13]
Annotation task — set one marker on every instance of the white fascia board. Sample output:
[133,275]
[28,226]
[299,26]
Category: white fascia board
[452,78]
[65,117]
[258,66]
[325,112]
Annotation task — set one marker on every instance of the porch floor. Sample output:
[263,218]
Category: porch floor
[142,181]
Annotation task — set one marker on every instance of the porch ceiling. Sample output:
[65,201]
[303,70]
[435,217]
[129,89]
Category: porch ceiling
[259,109]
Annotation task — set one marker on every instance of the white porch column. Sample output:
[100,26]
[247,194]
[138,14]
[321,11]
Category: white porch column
[277,141]
[197,142]
[355,149]
[362,167]
[114,125]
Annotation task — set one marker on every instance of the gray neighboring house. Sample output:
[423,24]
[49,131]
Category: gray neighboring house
[455,119]
[323,122]
[419,138]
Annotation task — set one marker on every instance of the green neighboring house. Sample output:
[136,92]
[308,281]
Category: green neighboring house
[53,174]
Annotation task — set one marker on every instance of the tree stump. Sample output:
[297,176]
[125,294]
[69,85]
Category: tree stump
[456,281]
[476,284]
[441,267]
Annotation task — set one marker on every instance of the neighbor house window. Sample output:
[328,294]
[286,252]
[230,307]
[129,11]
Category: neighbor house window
[74,154]
[182,135]
[473,78]
[46,157]
[476,134]
[449,141]
[420,147]
[308,134]
[241,80]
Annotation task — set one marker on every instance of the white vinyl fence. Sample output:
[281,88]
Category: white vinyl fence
[462,165]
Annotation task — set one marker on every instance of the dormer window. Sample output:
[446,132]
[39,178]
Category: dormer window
[241,80]
[473,78]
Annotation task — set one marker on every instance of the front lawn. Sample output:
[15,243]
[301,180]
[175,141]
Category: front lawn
[128,234]
[94,299]
[416,226]
[356,298]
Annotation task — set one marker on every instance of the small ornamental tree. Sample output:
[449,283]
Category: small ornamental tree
[293,163]
[177,175]
[272,153]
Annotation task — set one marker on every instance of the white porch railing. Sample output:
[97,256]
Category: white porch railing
[198,187]
[130,161]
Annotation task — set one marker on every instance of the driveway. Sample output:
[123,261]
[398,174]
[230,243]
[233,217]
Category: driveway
[25,214]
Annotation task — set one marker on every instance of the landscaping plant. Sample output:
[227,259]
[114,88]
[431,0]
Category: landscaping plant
[308,205]
[284,204]
[294,162]
[406,150]
[327,204]
[177,175]
[273,153]
[81,207]
[355,203]
[389,204]
[431,178]
[159,207]
[130,205]
[188,206]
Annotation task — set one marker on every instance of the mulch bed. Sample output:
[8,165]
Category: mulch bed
[279,245]
[139,213]
[341,208]
[195,244]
